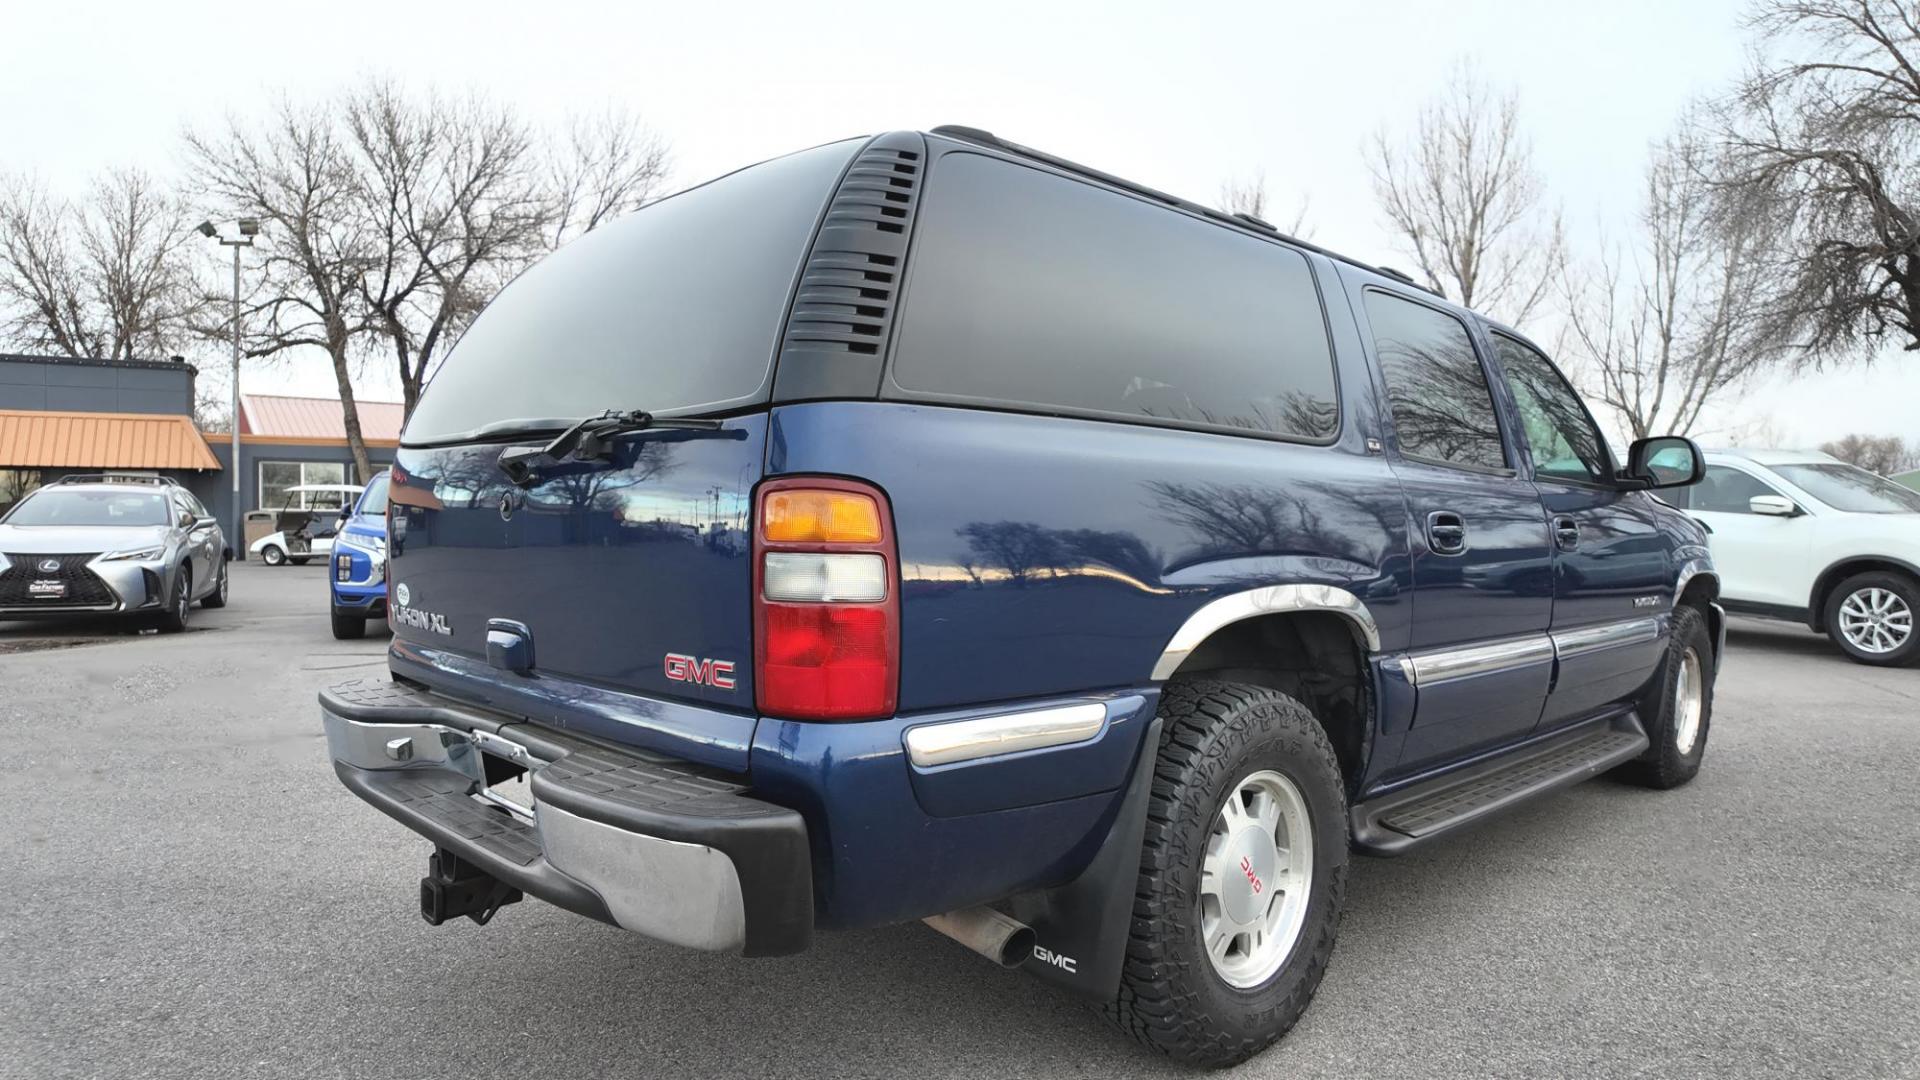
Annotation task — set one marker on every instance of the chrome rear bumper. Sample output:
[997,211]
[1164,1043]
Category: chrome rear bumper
[652,845]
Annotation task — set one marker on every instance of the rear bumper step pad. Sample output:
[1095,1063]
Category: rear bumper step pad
[665,848]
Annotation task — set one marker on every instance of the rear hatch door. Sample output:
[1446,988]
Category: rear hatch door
[629,572]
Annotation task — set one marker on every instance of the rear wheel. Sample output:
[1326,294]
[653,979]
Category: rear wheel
[348,627]
[1241,877]
[218,597]
[1871,617]
[299,560]
[273,555]
[179,602]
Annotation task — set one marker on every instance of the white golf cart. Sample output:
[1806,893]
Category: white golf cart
[305,526]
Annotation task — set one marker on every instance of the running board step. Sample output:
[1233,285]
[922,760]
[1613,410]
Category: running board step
[1392,823]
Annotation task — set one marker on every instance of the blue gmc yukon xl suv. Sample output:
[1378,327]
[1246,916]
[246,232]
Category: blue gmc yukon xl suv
[923,527]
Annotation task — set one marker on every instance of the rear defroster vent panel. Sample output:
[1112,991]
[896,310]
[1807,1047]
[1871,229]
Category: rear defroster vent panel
[836,335]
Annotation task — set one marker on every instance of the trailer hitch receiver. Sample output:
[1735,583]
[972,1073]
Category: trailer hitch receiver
[454,887]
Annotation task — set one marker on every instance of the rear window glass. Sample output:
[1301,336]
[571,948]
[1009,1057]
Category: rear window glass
[1029,289]
[673,309]
[1854,490]
[1442,407]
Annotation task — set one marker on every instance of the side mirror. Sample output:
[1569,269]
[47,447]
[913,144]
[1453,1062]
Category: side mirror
[1773,506]
[1665,462]
[205,523]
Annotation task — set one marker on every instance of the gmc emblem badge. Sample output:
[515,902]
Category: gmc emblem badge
[715,673]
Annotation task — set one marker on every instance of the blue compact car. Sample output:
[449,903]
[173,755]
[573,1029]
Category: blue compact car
[357,585]
[924,527]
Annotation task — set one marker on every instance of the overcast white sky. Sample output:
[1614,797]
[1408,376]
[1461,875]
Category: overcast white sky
[1176,96]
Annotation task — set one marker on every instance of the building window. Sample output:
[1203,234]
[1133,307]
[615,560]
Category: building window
[278,476]
[16,484]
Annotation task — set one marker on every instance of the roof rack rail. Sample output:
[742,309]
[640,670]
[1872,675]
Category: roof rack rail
[117,478]
[1402,275]
[988,138]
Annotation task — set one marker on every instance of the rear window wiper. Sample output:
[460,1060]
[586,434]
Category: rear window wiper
[591,439]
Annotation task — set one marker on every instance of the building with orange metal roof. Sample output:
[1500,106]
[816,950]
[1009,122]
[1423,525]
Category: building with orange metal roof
[60,415]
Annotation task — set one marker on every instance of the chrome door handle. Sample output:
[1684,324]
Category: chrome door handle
[1446,533]
[1566,533]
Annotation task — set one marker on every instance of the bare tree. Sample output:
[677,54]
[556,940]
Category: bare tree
[1826,129]
[1883,454]
[605,165]
[1463,198]
[1682,316]
[295,172]
[454,205]
[1249,197]
[460,196]
[107,277]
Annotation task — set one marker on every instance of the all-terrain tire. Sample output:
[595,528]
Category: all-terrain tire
[1214,734]
[1671,759]
[348,627]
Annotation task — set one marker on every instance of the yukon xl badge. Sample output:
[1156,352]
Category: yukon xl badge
[405,615]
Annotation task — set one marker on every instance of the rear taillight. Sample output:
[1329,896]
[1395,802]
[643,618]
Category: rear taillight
[826,612]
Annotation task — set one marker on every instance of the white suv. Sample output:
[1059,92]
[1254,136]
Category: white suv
[1802,535]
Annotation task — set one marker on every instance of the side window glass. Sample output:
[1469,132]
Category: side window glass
[1442,407]
[1727,490]
[1565,444]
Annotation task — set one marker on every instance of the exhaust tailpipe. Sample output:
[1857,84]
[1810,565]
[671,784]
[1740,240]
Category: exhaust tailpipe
[1005,941]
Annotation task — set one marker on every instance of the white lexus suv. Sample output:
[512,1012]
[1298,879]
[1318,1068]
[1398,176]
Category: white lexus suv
[1802,535]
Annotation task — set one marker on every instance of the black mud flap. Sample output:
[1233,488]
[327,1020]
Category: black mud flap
[1080,928]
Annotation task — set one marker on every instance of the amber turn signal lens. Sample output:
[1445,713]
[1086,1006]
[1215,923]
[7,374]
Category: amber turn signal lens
[820,517]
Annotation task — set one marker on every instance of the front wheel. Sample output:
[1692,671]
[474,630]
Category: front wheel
[1678,720]
[273,555]
[1871,617]
[179,602]
[218,597]
[348,627]
[1241,878]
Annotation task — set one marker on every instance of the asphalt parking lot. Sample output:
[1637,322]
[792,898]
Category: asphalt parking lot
[192,894]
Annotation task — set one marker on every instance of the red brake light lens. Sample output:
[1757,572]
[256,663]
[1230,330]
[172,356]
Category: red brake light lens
[819,656]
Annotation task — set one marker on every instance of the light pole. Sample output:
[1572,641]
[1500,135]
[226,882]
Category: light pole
[249,228]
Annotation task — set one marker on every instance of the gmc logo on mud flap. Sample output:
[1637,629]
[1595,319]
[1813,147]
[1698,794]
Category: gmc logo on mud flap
[1065,963]
[715,673]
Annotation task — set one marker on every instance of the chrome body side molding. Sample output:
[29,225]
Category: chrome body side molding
[1269,600]
[1443,664]
[1439,665]
[987,736]
[1605,636]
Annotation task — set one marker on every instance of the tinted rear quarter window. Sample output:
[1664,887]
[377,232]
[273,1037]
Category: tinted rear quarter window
[674,308]
[1032,291]
[1442,407]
